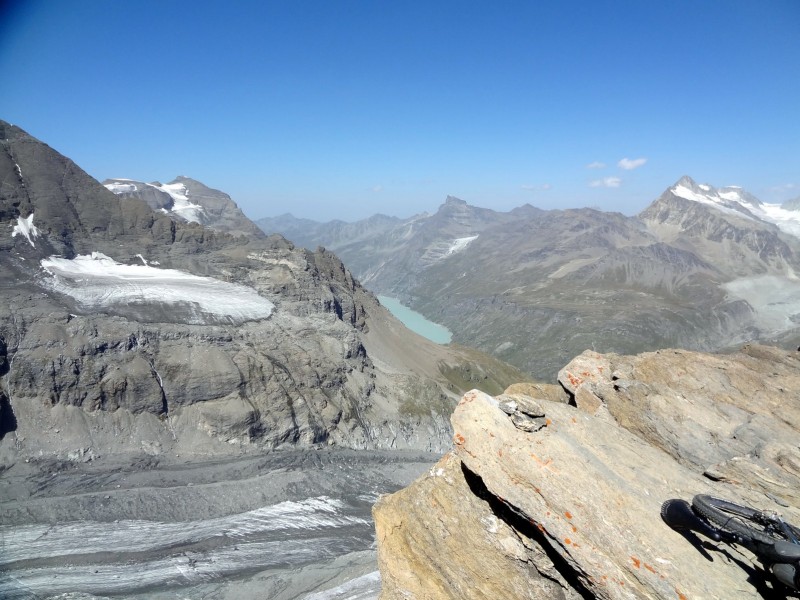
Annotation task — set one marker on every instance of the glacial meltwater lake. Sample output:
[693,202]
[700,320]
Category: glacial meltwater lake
[416,322]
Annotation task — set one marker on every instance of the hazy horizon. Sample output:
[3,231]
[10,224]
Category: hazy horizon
[344,110]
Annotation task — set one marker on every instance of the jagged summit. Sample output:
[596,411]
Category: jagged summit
[734,200]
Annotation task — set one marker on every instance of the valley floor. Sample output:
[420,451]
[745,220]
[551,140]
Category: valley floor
[285,525]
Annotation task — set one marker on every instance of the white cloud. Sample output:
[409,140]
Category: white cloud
[786,187]
[377,188]
[607,182]
[530,187]
[631,163]
[596,165]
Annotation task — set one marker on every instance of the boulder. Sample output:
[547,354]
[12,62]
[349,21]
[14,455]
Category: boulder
[585,489]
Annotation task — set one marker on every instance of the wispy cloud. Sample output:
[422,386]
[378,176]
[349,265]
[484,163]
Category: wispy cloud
[377,188]
[607,182]
[631,163]
[596,165]
[786,187]
[540,187]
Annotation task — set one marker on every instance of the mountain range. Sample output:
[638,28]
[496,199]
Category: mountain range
[700,268]
[129,324]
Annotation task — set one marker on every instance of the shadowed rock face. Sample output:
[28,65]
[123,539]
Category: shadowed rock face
[574,502]
[131,372]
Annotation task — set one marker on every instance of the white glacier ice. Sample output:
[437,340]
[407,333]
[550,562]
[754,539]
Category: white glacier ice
[120,188]
[97,281]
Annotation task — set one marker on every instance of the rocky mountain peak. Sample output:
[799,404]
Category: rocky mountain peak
[187,200]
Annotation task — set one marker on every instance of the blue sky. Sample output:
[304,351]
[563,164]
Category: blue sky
[343,109]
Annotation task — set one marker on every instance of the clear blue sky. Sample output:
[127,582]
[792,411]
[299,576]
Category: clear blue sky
[343,109]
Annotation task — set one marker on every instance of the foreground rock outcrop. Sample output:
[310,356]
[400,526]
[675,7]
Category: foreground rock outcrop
[545,499]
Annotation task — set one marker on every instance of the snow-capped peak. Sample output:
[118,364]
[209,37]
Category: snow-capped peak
[734,200]
[181,205]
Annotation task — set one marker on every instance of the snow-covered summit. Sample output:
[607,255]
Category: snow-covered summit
[174,199]
[735,200]
[181,205]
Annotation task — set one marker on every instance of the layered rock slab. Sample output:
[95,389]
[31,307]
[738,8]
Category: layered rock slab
[591,482]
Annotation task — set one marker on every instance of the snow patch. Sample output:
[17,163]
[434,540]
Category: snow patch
[121,188]
[730,195]
[459,244]
[181,205]
[366,587]
[98,281]
[19,170]
[26,228]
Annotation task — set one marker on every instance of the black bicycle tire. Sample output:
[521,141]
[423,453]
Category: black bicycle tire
[723,514]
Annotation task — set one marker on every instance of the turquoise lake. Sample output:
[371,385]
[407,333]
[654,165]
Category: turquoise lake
[416,322]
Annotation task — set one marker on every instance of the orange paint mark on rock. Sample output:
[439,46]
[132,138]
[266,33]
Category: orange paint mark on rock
[574,529]
[468,397]
[547,422]
[636,562]
[568,514]
[567,541]
[459,439]
[681,596]
[649,568]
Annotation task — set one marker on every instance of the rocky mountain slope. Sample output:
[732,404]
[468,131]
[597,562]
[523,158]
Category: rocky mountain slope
[124,330]
[547,499]
[700,268]
[187,200]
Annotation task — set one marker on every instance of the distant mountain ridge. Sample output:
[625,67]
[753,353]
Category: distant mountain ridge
[695,269]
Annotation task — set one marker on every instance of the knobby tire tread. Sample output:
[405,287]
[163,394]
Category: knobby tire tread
[724,515]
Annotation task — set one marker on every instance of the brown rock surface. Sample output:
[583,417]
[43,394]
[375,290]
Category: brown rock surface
[591,483]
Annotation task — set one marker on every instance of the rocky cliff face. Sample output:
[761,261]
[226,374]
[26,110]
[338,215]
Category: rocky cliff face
[544,499]
[123,329]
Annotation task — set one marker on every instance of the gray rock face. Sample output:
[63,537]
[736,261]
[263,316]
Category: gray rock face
[141,367]
[585,490]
